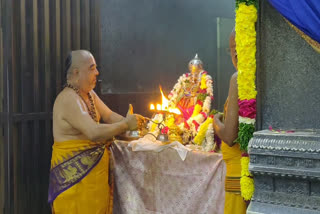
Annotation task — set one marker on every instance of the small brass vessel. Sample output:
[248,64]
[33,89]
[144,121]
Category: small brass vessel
[130,135]
[163,138]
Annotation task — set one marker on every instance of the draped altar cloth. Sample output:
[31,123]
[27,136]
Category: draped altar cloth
[160,182]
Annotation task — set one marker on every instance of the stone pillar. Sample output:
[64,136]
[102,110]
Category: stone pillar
[286,166]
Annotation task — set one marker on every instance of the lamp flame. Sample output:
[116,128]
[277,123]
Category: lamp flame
[165,105]
[159,107]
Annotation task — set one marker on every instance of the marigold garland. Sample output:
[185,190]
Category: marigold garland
[245,166]
[197,110]
[247,187]
[170,122]
[203,84]
[246,17]
[202,131]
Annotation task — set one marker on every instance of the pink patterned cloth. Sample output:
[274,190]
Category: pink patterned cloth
[160,182]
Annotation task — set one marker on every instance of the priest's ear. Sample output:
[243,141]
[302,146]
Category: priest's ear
[77,74]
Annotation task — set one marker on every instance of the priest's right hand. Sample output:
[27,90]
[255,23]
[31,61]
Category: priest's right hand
[132,121]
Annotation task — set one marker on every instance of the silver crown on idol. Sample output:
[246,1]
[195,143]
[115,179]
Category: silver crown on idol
[196,62]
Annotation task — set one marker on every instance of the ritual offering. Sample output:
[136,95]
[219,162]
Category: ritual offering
[133,134]
[185,115]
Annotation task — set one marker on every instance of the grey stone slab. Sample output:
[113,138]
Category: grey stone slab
[288,75]
[261,208]
[286,170]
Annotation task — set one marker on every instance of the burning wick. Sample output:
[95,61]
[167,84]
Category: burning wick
[159,108]
[164,106]
[152,107]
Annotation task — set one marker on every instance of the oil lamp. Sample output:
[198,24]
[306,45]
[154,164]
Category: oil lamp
[165,110]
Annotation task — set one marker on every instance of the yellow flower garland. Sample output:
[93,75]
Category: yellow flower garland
[154,126]
[245,166]
[246,17]
[247,187]
[196,111]
[170,122]
[203,84]
[202,131]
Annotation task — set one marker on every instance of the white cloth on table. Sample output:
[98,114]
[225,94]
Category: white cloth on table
[149,143]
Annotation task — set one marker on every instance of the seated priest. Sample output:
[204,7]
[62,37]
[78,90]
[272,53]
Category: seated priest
[80,159]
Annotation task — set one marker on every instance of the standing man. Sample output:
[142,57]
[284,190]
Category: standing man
[227,130]
[80,160]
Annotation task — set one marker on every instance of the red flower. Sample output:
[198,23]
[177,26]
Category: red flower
[165,130]
[196,124]
[199,102]
[212,98]
[204,72]
[245,154]
[247,108]
[186,125]
[202,91]
[204,115]
[187,74]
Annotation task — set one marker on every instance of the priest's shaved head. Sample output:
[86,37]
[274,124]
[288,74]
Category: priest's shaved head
[81,69]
